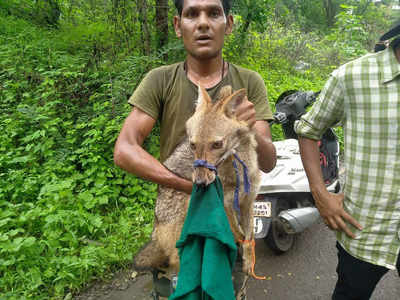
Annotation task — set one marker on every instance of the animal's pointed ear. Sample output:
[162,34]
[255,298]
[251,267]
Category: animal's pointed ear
[232,102]
[203,100]
[225,92]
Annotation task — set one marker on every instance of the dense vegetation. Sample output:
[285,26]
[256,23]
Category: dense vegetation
[67,68]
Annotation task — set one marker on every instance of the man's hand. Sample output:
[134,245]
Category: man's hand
[330,207]
[246,112]
[265,148]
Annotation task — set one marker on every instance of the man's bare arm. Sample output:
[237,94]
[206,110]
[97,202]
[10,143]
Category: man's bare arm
[265,148]
[130,155]
[330,205]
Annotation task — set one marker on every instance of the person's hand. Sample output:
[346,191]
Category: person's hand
[331,209]
[246,112]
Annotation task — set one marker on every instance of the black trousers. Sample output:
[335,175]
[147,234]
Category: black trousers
[356,278]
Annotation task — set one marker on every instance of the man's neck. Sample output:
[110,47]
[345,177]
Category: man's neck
[206,72]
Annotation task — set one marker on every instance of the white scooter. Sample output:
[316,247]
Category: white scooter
[285,206]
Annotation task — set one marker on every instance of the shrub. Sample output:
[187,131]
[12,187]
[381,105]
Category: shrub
[67,214]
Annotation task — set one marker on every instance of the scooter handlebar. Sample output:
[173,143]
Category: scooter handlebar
[279,118]
[293,105]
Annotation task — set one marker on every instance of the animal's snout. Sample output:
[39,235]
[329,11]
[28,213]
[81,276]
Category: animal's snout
[203,176]
[201,183]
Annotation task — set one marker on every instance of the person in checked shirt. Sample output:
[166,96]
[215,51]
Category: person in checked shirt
[364,95]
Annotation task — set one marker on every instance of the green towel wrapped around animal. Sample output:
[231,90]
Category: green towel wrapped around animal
[207,249]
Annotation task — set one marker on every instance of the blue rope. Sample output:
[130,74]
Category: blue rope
[245,175]
[203,163]
[236,195]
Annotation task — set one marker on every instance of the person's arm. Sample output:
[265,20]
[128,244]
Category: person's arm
[326,112]
[265,148]
[330,205]
[130,155]
[256,112]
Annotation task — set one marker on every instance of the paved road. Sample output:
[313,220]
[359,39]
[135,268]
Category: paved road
[306,272]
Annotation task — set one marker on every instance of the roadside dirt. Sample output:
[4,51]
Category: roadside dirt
[123,285]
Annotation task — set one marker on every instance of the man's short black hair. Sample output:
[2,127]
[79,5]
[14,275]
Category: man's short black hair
[226,4]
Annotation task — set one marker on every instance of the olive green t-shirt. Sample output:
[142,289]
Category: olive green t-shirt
[166,94]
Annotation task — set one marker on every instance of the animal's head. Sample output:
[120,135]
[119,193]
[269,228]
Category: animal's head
[214,130]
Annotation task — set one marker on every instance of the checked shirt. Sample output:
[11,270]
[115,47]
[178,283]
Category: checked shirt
[364,95]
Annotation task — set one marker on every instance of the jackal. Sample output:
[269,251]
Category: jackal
[213,135]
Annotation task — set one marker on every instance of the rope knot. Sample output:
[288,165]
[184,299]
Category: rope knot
[246,181]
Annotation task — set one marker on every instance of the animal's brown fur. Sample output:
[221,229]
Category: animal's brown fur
[212,131]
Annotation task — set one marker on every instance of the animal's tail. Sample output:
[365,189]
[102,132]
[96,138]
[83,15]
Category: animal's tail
[150,257]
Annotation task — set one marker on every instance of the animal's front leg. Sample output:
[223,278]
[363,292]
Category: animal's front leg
[236,229]
[247,221]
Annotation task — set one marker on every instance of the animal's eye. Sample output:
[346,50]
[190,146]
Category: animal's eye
[192,146]
[217,145]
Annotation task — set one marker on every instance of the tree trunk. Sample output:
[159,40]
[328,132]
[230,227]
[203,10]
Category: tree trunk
[144,28]
[330,12]
[162,22]
[246,13]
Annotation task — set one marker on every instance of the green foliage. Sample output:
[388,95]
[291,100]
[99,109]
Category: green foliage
[42,12]
[349,36]
[354,34]
[67,214]
[254,12]
[321,16]
[277,55]
[308,14]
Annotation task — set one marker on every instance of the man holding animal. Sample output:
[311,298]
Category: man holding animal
[364,95]
[168,94]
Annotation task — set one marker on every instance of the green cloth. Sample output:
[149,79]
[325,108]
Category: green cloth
[207,249]
[364,95]
[167,95]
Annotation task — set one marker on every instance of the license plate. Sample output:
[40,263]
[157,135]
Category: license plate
[262,209]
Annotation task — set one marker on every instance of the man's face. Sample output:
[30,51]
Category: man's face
[202,26]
